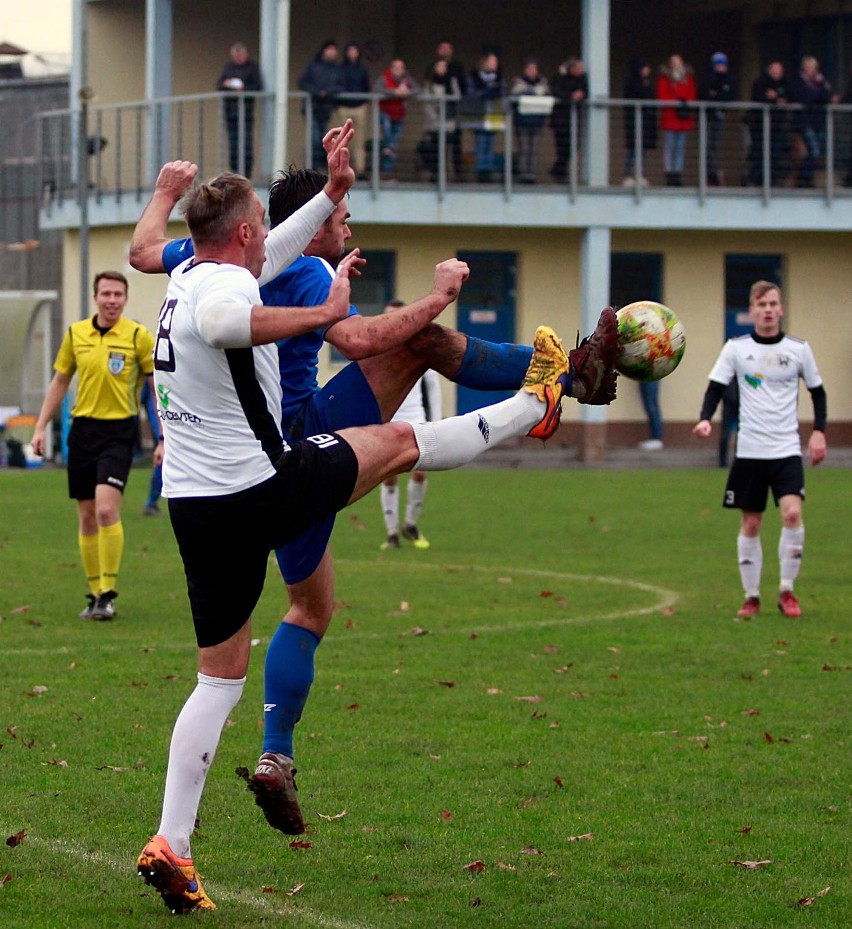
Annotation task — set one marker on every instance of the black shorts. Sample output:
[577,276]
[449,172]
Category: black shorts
[225,541]
[751,479]
[100,451]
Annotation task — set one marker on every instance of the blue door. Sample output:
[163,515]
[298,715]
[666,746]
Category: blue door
[487,311]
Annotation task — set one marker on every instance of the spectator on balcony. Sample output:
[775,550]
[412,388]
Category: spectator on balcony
[323,80]
[676,83]
[770,88]
[355,79]
[718,87]
[570,86]
[486,85]
[529,118]
[639,85]
[397,86]
[813,92]
[239,75]
[439,83]
[455,72]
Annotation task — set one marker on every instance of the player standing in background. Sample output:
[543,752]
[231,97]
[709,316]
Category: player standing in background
[237,489]
[423,404]
[111,355]
[766,366]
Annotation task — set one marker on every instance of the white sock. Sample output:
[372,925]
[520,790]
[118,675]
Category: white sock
[750,555]
[452,442]
[390,508]
[193,748]
[414,501]
[790,547]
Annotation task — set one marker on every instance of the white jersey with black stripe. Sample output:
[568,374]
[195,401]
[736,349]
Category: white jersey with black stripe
[220,408]
[767,373]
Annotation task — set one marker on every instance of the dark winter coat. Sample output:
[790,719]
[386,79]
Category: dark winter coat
[638,88]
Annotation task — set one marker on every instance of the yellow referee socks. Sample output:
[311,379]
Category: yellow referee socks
[89,552]
[110,548]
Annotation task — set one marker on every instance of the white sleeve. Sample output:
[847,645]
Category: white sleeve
[223,310]
[433,395]
[290,238]
[810,372]
[724,371]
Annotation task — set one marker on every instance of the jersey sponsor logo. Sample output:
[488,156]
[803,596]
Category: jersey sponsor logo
[179,417]
[163,394]
[754,380]
[323,440]
[484,428]
[116,362]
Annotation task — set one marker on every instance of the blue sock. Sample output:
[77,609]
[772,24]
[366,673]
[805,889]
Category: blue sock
[287,681]
[493,365]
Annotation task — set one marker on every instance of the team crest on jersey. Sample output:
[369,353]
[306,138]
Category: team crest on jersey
[116,362]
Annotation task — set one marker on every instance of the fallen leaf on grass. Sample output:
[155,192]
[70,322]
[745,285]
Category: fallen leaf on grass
[446,815]
[768,738]
[329,817]
[493,691]
[506,867]
[529,850]
[446,683]
[475,902]
[19,610]
[5,880]
[668,611]
[298,843]
[295,890]
[750,713]
[546,593]
[614,649]
[577,693]
[530,699]
[476,866]
[418,631]
[564,668]
[588,836]
[745,829]
[16,839]
[397,898]
[809,901]
[558,781]
[56,763]
[551,649]
[752,865]
[354,706]
[268,890]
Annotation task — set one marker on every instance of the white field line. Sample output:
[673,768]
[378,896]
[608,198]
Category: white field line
[664,599]
[295,915]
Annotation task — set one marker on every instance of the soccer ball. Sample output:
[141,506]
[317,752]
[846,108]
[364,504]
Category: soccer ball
[651,341]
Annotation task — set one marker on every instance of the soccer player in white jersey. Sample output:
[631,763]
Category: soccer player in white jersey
[413,409]
[236,490]
[767,365]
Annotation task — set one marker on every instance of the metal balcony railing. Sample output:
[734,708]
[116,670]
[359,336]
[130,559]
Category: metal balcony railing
[739,148]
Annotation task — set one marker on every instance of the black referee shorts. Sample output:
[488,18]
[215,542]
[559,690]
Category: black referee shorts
[100,451]
[751,479]
[225,541]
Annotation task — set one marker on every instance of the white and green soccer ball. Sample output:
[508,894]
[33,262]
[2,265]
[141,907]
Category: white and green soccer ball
[651,341]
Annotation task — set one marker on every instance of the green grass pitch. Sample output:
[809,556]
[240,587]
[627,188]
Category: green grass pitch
[557,693]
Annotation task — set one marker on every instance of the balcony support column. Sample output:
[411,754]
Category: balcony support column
[158,83]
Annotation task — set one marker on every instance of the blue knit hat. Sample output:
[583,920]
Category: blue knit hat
[720,58]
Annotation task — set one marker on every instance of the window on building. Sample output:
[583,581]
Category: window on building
[741,271]
[373,289]
[635,276]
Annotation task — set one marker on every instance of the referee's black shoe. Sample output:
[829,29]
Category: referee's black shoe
[104,608]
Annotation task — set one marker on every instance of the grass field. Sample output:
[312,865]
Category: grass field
[558,690]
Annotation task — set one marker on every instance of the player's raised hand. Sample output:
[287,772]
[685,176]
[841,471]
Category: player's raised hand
[341,175]
[449,277]
[175,178]
[339,295]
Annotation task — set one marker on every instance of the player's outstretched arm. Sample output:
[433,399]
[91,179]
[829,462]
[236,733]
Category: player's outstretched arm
[290,238]
[149,236]
[359,337]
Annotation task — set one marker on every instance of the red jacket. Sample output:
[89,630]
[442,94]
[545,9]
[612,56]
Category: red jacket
[667,89]
[393,106]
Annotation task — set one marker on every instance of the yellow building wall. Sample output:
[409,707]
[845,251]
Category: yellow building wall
[818,283]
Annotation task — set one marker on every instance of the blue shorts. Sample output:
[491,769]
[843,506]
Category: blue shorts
[345,401]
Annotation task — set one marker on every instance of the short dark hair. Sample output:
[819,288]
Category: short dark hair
[110,276]
[212,210]
[290,190]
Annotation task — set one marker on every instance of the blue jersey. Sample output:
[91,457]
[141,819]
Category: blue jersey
[306,282]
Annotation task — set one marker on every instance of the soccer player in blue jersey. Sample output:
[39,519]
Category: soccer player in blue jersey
[388,354]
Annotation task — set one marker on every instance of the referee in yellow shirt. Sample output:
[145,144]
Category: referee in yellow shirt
[110,355]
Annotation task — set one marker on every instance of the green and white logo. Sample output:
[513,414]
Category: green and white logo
[163,396]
